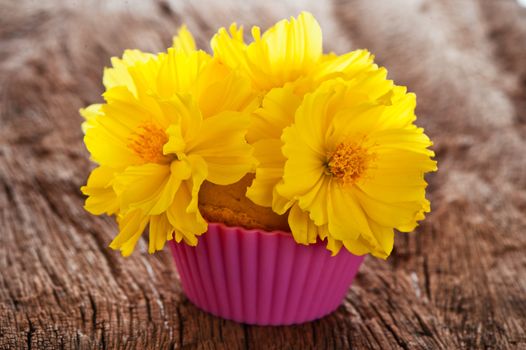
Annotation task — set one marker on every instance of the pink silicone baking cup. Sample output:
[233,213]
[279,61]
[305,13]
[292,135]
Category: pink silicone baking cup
[263,278]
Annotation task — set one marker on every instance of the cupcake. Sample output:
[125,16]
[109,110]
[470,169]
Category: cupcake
[270,167]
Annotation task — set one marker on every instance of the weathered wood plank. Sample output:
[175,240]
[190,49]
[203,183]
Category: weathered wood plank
[459,283]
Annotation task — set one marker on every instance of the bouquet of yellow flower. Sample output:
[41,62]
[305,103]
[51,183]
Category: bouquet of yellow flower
[258,163]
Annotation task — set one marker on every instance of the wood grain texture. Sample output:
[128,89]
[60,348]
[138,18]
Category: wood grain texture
[459,282]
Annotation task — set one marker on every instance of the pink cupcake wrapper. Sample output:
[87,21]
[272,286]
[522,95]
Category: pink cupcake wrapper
[263,278]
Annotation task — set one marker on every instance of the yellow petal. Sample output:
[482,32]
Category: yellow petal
[385,237]
[90,114]
[184,41]
[185,217]
[221,143]
[410,139]
[401,113]
[312,122]
[129,110]
[221,89]
[303,168]
[394,189]
[280,204]
[394,160]
[229,47]
[183,112]
[397,176]
[357,246]
[346,218]
[144,76]
[119,75]
[397,214]
[199,174]
[372,84]
[176,144]
[303,229]
[101,197]
[315,201]
[410,226]
[179,71]
[109,149]
[131,227]
[347,65]
[276,113]
[353,123]
[331,66]
[179,171]
[334,245]
[268,172]
[160,230]
[141,186]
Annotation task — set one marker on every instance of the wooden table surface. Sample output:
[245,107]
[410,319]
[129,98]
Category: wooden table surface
[458,282]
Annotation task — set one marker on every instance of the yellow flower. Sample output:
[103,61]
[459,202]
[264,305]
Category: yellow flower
[169,122]
[334,142]
[351,166]
[277,112]
[283,64]
[288,52]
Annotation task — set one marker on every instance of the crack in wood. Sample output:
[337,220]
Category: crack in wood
[30,332]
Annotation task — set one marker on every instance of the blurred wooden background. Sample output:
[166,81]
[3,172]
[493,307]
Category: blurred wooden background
[459,282]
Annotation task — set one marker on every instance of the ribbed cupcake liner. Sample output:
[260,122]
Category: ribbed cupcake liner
[263,278]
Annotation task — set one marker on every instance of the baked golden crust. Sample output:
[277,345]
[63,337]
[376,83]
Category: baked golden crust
[229,205]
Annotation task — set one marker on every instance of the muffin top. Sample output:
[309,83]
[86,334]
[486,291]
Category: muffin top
[230,205]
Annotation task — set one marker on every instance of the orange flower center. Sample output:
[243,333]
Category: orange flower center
[349,162]
[147,142]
